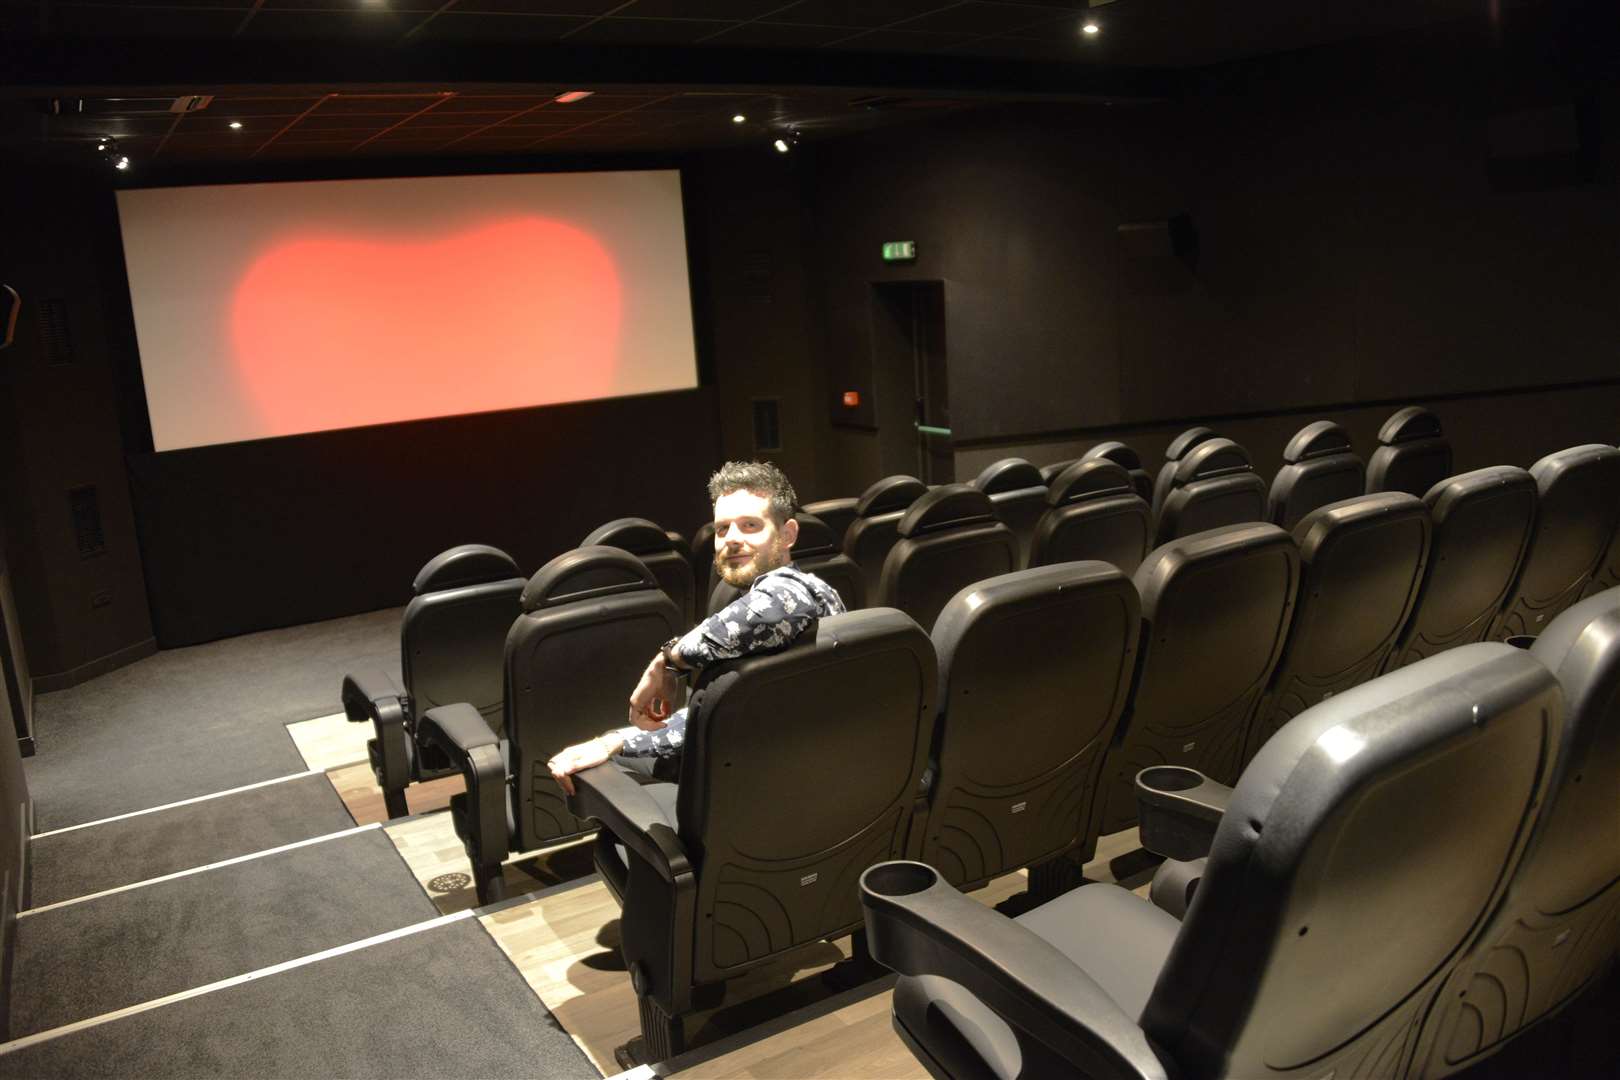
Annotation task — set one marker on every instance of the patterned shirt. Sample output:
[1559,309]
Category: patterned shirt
[780,606]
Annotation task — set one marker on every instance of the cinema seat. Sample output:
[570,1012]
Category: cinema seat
[1412,456]
[667,558]
[592,618]
[1577,502]
[450,638]
[1214,484]
[1361,561]
[1050,471]
[814,552]
[1351,866]
[1093,512]
[1318,468]
[1047,653]
[948,539]
[1215,612]
[701,549]
[758,849]
[1127,459]
[1481,521]
[1179,448]
[1559,927]
[836,514]
[1018,493]
[877,515]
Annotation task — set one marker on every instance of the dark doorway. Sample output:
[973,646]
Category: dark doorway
[908,375]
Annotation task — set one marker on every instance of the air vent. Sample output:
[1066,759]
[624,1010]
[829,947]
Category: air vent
[87,532]
[53,332]
[757,270]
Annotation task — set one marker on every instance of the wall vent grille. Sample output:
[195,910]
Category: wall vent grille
[53,332]
[87,531]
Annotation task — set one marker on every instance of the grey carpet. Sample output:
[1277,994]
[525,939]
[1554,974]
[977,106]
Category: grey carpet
[441,1003]
[101,857]
[103,954]
[192,721]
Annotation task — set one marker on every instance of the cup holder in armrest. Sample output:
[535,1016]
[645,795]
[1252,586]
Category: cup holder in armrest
[1180,809]
[899,878]
[1521,641]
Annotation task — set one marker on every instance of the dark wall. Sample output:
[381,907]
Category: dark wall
[16,825]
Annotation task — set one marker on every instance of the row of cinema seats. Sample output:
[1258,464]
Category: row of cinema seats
[1407,876]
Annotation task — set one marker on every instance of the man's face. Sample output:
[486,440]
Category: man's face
[747,543]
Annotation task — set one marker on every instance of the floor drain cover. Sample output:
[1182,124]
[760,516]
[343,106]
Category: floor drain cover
[449,882]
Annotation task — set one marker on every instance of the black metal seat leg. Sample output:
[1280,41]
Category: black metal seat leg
[663,1036]
[488,881]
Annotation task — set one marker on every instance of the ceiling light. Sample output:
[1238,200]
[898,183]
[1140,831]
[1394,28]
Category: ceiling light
[570,96]
[739,118]
[781,146]
[122,164]
[1090,29]
[236,125]
[103,145]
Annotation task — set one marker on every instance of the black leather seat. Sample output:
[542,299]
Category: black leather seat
[592,617]
[1215,613]
[1048,472]
[1413,454]
[1318,468]
[1179,447]
[814,552]
[701,549]
[1351,866]
[759,848]
[1018,493]
[1577,503]
[1213,485]
[948,539]
[663,553]
[836,514]
[450,642]
[1482,522]
[1051,649]
[877,515]
[1559,926]
[1125,458]
[1093,512]
[1361,561]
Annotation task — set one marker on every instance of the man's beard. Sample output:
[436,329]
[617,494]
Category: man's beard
[742,575]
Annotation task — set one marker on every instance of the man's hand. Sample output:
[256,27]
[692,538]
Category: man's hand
[582,756]
[656,696]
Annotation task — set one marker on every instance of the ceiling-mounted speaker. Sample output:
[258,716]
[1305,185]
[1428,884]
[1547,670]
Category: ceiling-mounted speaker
[188,103]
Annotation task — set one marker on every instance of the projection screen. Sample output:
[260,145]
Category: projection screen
[274,309]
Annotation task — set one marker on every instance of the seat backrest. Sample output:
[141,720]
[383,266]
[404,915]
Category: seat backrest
[814,552]
[669,561]
[1050,471]
[1481,522]
[836,514]
[1215,613]
[1318,468]
[450,638]
[1560,923]
[840,721]
[1179,448]
[1577,502]
[704,576]
[1018,493]
[1358,855]
[1413,454]
[1092,513]
[1361,561]
[872,533]
[592,617]
[1213,485]
[949,539]
[1055,647]
[1125,458]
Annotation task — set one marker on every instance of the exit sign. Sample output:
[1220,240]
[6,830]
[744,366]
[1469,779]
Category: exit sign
[899,251]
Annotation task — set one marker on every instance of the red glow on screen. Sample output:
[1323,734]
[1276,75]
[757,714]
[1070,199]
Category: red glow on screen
[339,331]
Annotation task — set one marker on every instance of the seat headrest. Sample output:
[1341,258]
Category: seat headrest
[1118,453]
[889,494]
[946,507]
[1410,424]
[467,564]
[1088,480]
[1186,441]
[1008,474]
[815,536]
[1048,472]
[1216,457]
[1316,440]
[585,573]
[633,534]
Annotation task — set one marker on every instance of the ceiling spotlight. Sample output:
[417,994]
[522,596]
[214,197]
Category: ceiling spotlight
[236,125]
[781,146]
[739,118]
[1090,29]
[103,145]
[122,164]
[571,96]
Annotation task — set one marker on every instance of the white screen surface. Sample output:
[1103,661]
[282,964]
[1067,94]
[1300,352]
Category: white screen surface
[274,309]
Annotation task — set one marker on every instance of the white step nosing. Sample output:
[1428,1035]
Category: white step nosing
[178,803]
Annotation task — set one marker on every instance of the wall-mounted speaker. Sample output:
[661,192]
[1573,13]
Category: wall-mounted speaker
[767,424]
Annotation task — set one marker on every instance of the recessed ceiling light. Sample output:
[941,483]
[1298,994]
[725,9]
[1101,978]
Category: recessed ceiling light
[781,146]
[571,96]
[1091,29]
[102,145]
[739,118]
[236,125]
[121,164]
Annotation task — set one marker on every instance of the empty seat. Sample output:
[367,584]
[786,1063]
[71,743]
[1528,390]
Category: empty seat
[1318,468]
[801,769]
[1481,524]
[836,514]
[816,552]
[1577,502]
[1052,649]
[450,650]
[1179,448]
[1127,459]
[1093,512]
[1215,612]
[1353,863]
[1018,493]
[1412,456]
[1213,485]
[1050,471]
[704,575]
[592,617]
[948,539]
[669,560]
[872,533]
[1361,561]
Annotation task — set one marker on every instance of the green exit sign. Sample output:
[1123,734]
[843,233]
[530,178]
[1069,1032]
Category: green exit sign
[899,251]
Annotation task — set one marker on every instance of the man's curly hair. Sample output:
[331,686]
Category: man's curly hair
[761,478]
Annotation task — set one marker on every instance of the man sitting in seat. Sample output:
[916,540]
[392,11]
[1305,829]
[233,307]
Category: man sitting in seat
[754,533]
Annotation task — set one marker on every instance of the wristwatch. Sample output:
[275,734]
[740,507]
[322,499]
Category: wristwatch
[667,650]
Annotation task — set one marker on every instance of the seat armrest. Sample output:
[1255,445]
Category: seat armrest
[613,797]
[466,738]
[1179,810]
[918,925]
[458,729]
[373,696]
[1174,884]
[362,689]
